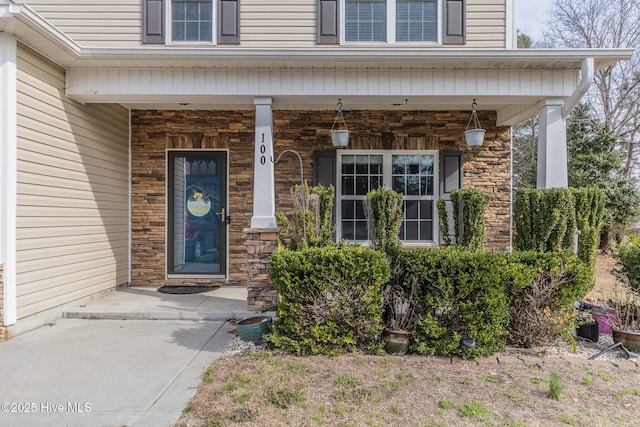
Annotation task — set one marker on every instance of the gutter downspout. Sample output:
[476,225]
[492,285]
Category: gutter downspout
[587,72]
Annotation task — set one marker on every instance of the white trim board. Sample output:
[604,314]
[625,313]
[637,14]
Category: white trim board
[8,172]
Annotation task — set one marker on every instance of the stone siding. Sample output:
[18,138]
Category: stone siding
[261,243]
[486,168]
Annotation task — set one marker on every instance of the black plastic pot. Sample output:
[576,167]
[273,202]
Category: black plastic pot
[588,331]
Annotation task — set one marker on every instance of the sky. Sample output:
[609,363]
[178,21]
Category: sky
[530,16]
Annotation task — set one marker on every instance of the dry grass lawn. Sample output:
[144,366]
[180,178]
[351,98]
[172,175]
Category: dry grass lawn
[508,389]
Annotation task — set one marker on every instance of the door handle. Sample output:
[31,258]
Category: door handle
[223,216]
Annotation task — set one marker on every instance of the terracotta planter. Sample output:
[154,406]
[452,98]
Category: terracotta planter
[253,328]
[396,341]
[630,339]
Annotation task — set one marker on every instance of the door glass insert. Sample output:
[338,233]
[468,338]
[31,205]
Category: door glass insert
[197,202]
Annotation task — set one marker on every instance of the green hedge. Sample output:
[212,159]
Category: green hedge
[628,263]
[461,293]
[469,206]
[330,299]
[545,220]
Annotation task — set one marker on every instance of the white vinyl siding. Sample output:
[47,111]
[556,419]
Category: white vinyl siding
[273,24]
[72,213]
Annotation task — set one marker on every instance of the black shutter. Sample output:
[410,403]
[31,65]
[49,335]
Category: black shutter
[324,168]
[324,173]
[454,22]
[229,22]
[153,21]
[451,178]
[327,22]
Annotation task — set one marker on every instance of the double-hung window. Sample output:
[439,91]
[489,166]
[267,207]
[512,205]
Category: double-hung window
[192,21]
[391,21]
[412,173]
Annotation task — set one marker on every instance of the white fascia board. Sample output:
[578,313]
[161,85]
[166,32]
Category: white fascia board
[13,13]
[605,56]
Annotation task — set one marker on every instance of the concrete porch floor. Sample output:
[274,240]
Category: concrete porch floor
[146,303]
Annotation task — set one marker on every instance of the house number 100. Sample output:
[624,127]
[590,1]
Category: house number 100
[263,159]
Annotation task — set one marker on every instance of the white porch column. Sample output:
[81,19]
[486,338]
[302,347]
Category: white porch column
[8,172]
[264,205]
[552,145]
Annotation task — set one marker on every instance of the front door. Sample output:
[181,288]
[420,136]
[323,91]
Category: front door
[197,213]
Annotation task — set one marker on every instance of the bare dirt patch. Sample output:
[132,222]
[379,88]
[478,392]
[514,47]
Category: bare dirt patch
[605,287]
[507,389]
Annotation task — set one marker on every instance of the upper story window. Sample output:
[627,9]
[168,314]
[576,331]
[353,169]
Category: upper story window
[416,21]
[191,21]
[391,21]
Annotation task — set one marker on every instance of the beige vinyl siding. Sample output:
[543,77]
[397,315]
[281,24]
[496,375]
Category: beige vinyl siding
[486,23]
[97,23]
[73,183]
[268,24]
[281,23]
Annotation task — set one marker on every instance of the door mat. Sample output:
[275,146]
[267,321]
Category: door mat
[185,289]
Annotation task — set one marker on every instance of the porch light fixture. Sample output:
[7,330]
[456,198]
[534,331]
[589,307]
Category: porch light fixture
[474,136]
[339,137]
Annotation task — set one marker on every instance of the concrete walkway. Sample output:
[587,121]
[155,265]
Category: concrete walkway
[133,357]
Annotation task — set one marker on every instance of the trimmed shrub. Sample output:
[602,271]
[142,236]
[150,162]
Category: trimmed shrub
[330,300]
[544,220]
[542,297]
[469,206]
[310,224]
[384,211]
[489,297]
[628,264]
[589,203]
[461,294]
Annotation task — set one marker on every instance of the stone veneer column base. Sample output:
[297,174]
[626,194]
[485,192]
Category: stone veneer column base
[261,243]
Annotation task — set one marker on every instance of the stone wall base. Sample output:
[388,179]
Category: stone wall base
[260,243]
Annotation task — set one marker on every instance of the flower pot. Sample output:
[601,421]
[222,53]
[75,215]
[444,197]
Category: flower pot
[630,339]
[474,137]
[253,328]
[588,331]
[396,341]
[605,321]
[340,138]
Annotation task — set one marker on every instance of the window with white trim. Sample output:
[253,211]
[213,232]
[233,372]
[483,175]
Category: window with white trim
[412,173]
[391,21]
[192,21]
